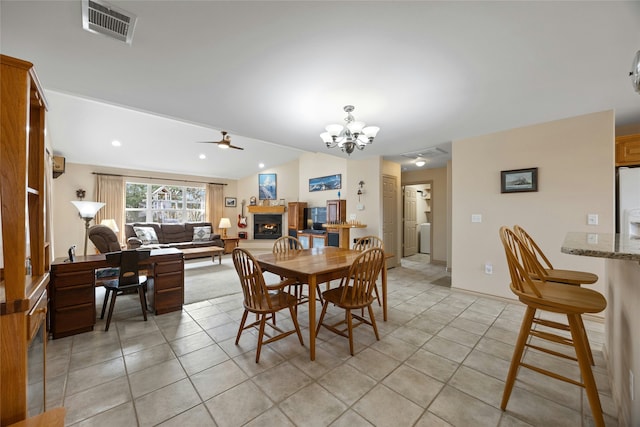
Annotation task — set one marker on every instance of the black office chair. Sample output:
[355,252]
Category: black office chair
[129,280]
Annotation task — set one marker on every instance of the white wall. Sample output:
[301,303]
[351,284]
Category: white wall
[575,161]
[314,165]
[369,171]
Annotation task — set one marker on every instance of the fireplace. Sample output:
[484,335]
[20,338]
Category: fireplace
[267,226]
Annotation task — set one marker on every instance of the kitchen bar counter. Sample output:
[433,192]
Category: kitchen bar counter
[602,245]
[622,290]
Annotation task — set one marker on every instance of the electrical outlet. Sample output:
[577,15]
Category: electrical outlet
[488,268]
[352,217]
[631,385]
[592,239]
[592,219]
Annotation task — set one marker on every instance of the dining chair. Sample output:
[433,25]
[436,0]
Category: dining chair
[287,244]
[129,280]
[368,242]
[355,292]
[263,300]
[539,266]
[541,295]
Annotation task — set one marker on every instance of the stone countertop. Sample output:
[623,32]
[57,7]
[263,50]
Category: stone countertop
[602,245]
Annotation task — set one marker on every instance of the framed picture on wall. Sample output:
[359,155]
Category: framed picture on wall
[519,180]
[331,182]
[230,202]
[267,186]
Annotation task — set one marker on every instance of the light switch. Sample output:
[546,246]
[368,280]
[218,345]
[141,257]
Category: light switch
[476,218]
[592,219]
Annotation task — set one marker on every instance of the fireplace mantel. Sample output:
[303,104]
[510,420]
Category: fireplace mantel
[266,209]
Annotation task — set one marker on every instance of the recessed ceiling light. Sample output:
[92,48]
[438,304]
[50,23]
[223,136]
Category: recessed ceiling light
[261,165]
[420,163]
[116,143]
[202,156]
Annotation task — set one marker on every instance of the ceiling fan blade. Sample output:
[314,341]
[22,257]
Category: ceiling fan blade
[236,147]
[207,142]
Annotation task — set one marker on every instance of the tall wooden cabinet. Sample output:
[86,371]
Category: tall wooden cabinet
[22,195]
[295,218]
[336,211]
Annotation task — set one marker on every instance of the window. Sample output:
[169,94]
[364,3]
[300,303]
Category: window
[164,203]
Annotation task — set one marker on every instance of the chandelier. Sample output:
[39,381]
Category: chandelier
[353,135]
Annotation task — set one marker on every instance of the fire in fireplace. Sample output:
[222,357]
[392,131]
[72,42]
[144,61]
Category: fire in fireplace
[267,226]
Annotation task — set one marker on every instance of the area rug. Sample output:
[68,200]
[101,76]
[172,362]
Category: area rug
[205,279]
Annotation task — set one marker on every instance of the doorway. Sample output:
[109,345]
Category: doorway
[417,219]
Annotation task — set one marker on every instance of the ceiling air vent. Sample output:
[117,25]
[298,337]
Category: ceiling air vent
[102,18]
[426,152]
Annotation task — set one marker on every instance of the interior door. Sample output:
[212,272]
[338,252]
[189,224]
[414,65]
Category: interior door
[410,222]
[390,217]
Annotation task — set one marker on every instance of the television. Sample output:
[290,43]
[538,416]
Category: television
[316,217]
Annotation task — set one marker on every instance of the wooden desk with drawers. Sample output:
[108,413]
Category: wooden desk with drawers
[72,303]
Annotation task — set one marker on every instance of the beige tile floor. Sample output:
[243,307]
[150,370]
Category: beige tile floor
[441,361]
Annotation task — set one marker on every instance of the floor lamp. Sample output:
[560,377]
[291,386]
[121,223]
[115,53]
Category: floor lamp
[87,211]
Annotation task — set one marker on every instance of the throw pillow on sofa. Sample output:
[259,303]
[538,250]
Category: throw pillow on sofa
[202,234]
[146,234]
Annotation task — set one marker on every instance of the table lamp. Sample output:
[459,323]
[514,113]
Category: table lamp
[224,224]
[111,223]
[87,211]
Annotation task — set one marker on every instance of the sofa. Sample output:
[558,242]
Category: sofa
[171,235]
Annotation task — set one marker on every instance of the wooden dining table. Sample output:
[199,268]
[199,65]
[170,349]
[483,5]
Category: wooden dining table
[313,266]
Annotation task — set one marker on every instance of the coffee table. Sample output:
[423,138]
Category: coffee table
[212,251]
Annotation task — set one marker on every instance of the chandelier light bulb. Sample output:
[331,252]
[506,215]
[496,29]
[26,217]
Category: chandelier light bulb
[356,127]
[326,137]
[334,130]
[353,135]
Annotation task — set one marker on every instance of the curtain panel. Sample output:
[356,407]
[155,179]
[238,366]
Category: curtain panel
[214,204]
[110,190]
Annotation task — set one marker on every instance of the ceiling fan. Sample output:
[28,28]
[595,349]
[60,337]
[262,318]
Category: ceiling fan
[225,142]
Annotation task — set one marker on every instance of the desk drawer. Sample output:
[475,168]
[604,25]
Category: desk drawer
[169,266]
[169,280]
[62,280]
[169,300]
[74,318]
[74,295]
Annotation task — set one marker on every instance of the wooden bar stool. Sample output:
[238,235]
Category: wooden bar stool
[572,301]
[540,267]
[550,274]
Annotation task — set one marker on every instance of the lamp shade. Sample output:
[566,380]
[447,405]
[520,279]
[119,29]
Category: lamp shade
[111,223]
[224,223]
[334,130]
[370,131]
[87,210]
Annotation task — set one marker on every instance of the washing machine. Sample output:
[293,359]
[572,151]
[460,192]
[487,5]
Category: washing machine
[425,238]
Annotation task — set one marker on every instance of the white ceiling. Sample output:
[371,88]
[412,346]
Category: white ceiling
[274,73]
